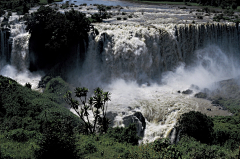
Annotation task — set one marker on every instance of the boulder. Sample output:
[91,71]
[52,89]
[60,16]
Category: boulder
[188,91]
[111,116]
[138,119]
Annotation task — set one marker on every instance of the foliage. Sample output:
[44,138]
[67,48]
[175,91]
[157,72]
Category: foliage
[21,6]
[190,148]
[55,89]
[197,125]
[158,149]
[14,149]
[29,117]
[89,146]
[58,134]
[121,134]
[28,85]
[61,33]
[96,104]
[34,126]
[226,131]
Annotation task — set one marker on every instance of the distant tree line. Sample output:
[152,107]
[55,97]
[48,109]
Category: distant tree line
[19,6]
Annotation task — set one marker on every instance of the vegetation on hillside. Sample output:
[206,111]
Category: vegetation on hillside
[39,125]
[36,125]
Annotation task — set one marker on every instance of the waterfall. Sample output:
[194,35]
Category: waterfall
[20,53]
[143,53]
[144,67]
[15,55]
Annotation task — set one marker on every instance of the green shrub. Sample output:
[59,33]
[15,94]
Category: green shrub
[121,134]
[190,148]
[21,135]
[197,125]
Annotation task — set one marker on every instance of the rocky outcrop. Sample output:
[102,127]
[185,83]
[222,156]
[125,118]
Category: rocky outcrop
[111,116]
[138,119]
[188,91]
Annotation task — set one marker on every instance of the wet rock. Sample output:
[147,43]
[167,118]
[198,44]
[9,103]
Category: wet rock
[141,118]
[138,119]
[201,95]
[130,108]
[209,109]
[188,91]
[111,116]
[179,91]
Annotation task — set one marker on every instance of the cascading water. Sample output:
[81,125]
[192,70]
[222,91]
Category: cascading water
[146,66]
[17,65]
[20,53]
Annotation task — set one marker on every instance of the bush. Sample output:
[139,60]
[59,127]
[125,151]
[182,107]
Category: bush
[190,148]
[197,125]
[121,134]
[58,135]
[21,135]
[119,18]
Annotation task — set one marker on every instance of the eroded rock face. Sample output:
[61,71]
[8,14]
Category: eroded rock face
[111,116]
[138,119]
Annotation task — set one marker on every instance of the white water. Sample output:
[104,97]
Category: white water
[18,68]
[133,57]
[125,59]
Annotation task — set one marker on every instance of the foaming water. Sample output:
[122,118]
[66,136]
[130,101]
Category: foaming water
[22,77]
[145,67]
[17,69]
[162,105]
[210,65]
